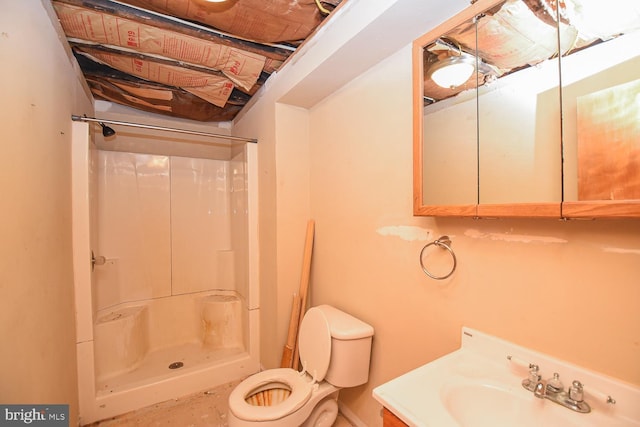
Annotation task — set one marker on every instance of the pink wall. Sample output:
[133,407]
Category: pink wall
[566,288]
[40,90]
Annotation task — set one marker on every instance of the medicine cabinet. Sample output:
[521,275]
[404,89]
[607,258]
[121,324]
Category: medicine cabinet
[544,120]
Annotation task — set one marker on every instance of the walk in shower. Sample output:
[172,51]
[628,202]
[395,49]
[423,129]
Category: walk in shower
[166,286]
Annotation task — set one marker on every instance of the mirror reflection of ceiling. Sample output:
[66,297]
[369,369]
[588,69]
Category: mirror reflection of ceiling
[521,33]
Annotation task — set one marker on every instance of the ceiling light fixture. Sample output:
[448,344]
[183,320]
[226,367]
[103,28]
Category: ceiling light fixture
[452,71]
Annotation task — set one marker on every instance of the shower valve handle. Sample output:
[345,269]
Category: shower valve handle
[98,260]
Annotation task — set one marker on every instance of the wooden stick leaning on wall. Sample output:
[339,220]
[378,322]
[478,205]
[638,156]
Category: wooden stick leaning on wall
[299,305]
[304,284]
[287,353]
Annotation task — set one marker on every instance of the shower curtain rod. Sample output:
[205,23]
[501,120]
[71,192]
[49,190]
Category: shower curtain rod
[139,125]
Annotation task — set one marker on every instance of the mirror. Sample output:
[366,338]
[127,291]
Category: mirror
[445,124]
[493,144]
[519,137]
[601,109]
[449,118]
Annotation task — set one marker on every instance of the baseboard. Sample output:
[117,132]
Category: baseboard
[350,415]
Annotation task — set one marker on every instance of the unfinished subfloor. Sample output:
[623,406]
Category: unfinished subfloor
[206,409]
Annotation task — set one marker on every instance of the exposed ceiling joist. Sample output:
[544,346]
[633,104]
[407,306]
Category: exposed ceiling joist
[152,56]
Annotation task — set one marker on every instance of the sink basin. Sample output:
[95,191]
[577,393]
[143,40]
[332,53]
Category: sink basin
[478,386]
[482,405]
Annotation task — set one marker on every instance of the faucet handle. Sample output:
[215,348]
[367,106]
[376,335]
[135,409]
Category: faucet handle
[530,382]
[534,377]
[576,392]
[554,384]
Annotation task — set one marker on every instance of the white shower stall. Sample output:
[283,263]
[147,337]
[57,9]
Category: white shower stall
[165,269]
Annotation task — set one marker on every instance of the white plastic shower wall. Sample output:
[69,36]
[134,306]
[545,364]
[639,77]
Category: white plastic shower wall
[176,283]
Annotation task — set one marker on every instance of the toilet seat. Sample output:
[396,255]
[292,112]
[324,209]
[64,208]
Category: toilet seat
[300,385]
[314,340]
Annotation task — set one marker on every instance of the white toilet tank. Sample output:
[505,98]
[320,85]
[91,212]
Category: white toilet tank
[350,348]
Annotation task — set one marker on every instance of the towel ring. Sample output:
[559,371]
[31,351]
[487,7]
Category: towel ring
[443,242]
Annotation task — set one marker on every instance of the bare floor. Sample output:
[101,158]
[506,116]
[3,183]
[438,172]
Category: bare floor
[207,409]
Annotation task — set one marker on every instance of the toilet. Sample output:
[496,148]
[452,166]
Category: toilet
[335,349]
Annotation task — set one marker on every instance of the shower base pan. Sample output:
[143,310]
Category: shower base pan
[168,363]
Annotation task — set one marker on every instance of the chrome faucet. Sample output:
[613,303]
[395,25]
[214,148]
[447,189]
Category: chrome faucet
[530,382]
[553,390]
[540,389]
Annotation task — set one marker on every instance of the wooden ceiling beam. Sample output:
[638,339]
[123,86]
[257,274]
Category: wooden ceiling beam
[272,51]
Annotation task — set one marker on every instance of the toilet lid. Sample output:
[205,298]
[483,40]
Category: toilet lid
[315,343]
[300,392]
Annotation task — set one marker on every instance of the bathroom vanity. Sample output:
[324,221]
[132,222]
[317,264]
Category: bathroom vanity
[390,420]
[486,382]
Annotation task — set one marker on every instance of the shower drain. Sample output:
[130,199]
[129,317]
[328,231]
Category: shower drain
[176,365]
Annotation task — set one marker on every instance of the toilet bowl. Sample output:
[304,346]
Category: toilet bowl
[334,348]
